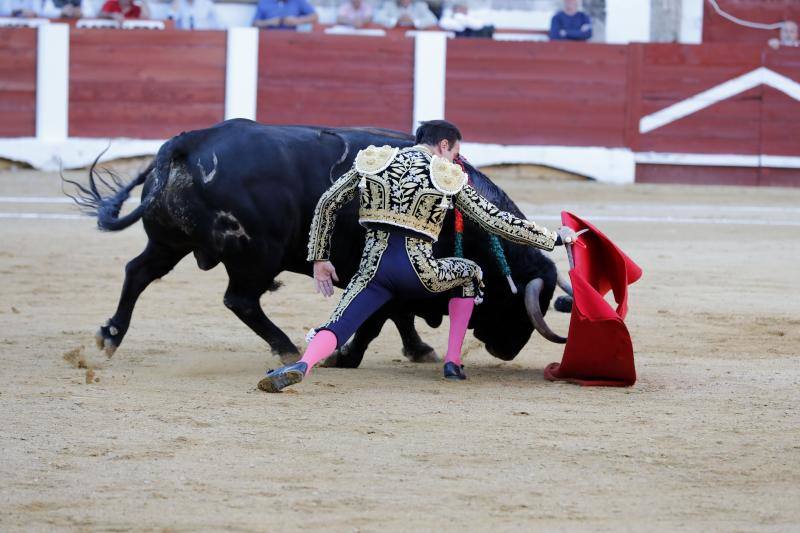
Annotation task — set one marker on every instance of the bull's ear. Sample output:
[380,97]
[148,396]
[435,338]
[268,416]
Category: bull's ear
[373,159]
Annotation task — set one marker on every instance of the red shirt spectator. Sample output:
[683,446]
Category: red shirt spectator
[124,9]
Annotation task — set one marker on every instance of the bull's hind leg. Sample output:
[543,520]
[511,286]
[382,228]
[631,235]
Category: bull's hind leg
[242,297]
[414,348]
[351,354]
[153,263]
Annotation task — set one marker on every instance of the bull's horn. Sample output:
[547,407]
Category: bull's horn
[564,283]
[532,291]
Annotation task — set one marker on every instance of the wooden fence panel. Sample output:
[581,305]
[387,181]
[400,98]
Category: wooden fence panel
[17,82]
[145,84]
[335,80]
[674,73]
[537,93]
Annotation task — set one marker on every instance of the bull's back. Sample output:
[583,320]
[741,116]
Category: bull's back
[243,189]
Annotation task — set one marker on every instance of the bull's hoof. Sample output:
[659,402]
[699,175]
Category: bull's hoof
[289,357]
[563,304]
[343,357]
[108,338]
[421,354]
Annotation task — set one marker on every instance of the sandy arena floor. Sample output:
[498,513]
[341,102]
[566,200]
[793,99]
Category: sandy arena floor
[171,433]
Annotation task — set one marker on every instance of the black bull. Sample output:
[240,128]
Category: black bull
[243,194]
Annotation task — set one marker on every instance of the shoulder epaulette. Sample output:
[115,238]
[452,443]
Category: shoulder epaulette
[374,159]
[447,177]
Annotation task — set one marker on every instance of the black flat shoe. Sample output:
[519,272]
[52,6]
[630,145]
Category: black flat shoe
[454,372]
[279,379]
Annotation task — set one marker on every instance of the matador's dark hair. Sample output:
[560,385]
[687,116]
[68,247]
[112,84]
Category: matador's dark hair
[433,131]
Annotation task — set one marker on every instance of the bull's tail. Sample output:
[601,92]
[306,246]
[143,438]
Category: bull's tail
[106,208]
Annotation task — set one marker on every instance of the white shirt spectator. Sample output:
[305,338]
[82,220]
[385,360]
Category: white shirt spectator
[459,20]
[355,13]
[405,13]
[194,15]
[19,8]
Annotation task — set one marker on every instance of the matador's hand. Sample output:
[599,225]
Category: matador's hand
[567,234]
[324,276]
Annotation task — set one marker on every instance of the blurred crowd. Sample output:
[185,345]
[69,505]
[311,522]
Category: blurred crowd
[569,23]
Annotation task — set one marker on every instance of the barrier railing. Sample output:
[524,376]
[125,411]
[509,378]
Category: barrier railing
[662,111]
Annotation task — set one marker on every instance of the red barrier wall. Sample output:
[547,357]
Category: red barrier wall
[17,82]
[155,83]
[335,80]
[718,29]
[537,93]
[670,73]
[780,113]
[758,121]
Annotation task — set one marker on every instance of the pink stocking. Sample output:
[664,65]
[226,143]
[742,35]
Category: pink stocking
[321,346]
[460,310]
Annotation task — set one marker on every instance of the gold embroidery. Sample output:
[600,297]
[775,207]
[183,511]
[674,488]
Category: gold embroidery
[372,159]
[492,219]
[376,243]
[447,177]
[403,195]
[439,275]
[319,236]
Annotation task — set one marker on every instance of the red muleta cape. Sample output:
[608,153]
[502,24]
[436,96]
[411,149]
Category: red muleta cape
[599,350]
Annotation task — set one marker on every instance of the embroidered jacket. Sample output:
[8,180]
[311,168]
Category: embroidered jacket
[411,188]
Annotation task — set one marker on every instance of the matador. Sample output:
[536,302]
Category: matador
[404,196]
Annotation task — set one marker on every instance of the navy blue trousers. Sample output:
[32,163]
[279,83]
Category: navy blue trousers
[396,266]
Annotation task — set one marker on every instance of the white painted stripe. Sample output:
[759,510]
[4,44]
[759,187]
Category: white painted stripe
[778,81]
[34,200]
[710,160]
[723,91]
[45,200]
[241,73]
[650,207]
[44,216]
[674,220]
[780,161]
[613,165]
[52,82]
[430,54]
[717,160]
[74,152]
[539,218]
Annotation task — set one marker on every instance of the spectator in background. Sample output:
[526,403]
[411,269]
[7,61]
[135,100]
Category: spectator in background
[459,20]
[69,9]
[120,10]
[17,8]
[788,36]
[354,13]
[283,14]
[406,13]
[570,24]
[437,7]
[194,15]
